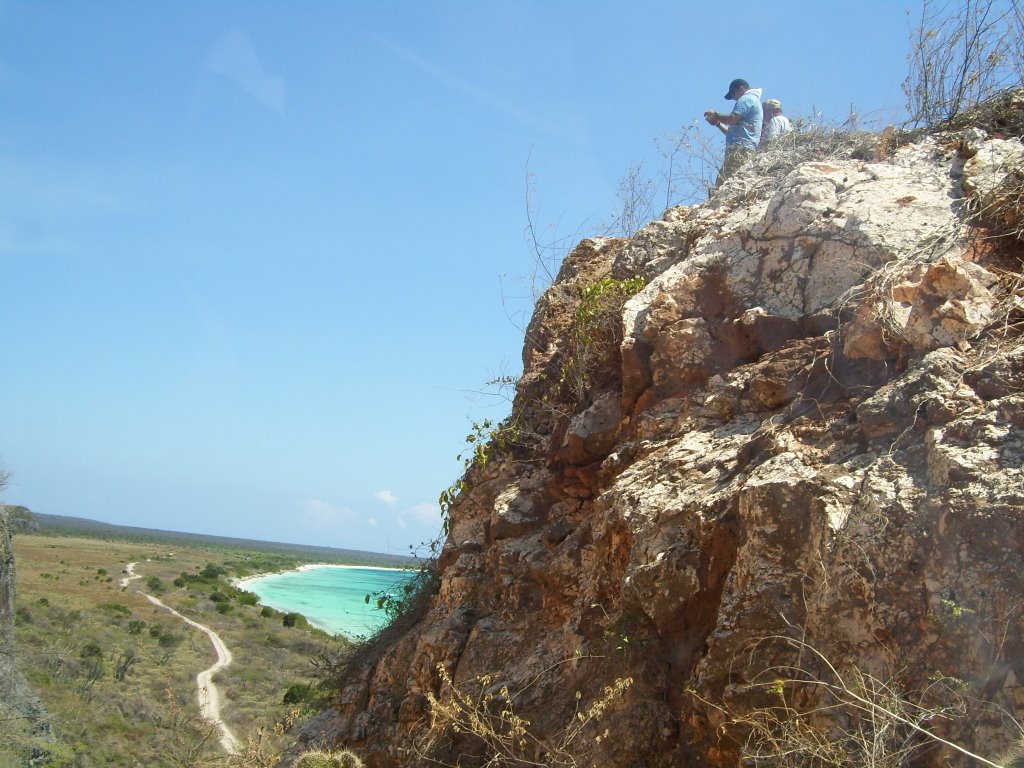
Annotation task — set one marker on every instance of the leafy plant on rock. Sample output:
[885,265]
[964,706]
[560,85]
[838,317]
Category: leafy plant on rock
[486,441]
[596,329]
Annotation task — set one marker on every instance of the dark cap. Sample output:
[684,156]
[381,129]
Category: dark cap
[736,84]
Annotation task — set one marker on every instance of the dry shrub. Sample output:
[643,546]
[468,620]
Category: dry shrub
[321,759]
[814,143]
[962,53]
[484,712]
[1001,115]
[1010,314]
[999,244]
[823,716]
[764,174]
[1002,210]
[994,224]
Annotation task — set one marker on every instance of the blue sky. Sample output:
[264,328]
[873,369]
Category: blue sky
[259,259]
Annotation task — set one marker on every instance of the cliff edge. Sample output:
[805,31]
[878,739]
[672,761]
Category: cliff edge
[26,725]
[764,456]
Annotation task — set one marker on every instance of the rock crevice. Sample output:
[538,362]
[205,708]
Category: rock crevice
[810,431]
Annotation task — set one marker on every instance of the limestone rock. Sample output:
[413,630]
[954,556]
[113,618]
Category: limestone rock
[811,430]
[591,434]
[992,163]
[20,710]
[993,179]
[923,306]
[7,580]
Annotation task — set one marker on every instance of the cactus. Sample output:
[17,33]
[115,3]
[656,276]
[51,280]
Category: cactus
[320,759]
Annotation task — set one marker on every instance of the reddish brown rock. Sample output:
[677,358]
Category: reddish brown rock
[811,430]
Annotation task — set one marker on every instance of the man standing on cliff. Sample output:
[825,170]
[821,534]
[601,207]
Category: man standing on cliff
[775,123]
[742,127]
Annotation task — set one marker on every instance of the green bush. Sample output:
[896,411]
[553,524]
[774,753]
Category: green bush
[212,571]
[169,639]
[91,650]
[320,759]
[297,693]
[267,612]
[135,626]
[596,331]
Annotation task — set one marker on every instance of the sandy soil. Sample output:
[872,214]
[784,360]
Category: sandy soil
[209,695]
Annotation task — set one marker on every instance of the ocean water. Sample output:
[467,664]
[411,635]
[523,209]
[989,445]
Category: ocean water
[333,598]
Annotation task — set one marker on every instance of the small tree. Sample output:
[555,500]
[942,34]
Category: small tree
[212,571]
[962,53]
[636,198]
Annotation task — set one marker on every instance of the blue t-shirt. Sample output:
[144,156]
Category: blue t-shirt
[747,132]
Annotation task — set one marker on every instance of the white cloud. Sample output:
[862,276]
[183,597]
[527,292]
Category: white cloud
[429,514]
[234,57]
[387,497]
[371,521]
[324,515]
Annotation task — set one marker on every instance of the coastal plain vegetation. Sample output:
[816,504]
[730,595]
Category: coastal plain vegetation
[117,673]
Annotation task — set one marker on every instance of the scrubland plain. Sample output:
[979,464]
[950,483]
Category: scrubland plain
[117,673]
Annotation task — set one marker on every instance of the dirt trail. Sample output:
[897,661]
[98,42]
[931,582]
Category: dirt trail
[130,570]
[209,695]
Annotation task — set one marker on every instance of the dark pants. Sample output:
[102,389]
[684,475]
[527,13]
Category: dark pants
[734,160]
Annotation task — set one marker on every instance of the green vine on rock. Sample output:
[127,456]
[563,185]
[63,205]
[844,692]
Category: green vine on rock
[487,440]
[596,326]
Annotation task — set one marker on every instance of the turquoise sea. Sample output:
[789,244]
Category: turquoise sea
[333,598]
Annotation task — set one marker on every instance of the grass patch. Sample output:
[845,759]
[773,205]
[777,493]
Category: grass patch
[117,673]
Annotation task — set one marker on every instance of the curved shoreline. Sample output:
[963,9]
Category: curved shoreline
[347,629]
[241,582]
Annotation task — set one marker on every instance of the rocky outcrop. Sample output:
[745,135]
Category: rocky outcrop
[6,580]
[801,444]
[23,715]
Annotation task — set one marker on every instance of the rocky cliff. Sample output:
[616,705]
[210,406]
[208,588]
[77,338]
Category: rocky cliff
[6,580]
[768,492]
[24,722]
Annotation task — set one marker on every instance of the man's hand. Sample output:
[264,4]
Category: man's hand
[712,117]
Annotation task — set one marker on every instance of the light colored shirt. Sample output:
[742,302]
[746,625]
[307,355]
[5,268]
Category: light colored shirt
[777,126]
[747,132]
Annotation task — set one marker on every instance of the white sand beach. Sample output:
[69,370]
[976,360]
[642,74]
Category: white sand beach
[240,583]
